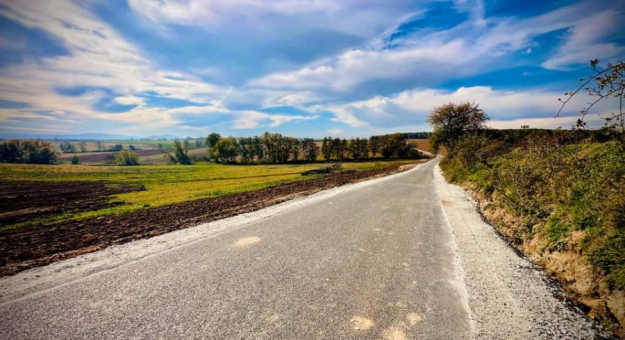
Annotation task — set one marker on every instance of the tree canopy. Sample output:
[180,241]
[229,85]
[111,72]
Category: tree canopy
[452,121]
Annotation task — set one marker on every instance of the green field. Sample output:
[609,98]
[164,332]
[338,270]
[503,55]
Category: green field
[165,184]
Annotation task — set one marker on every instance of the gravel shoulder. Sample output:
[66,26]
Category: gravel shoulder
[509,297]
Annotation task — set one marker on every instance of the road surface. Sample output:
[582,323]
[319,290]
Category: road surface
[377,261]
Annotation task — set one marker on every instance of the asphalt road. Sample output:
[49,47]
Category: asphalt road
[376,261]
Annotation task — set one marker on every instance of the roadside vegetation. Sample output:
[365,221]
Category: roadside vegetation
[559,195]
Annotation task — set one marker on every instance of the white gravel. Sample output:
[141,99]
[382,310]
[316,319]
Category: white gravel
[509,297]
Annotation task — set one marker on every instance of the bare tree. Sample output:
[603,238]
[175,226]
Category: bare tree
[605,83]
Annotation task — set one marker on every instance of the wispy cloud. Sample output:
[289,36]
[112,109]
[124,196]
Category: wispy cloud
[368,66]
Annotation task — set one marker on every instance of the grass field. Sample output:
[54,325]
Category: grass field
[164,184]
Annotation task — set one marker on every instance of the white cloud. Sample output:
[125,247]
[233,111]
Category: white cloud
[254,119]
[270,17]
[129,100]
[413,106]
[584,41]
[430,61]
[98,58]
[429,58]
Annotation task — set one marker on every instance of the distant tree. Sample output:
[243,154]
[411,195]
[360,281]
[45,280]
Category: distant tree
[357,148]
[82,146]
[225,150]
[125,157]
[338,149]
[212,139]
[117,147]
[293,145]
[211,143]
[27,151]
[374,145]
[98,145]
[131,147]
[159,145]
[67,147]
[181,152]
[326,148]
[244,149]
[363,148]
[310,149]
[75,160]
[257,149]
[604,83]
[452,121]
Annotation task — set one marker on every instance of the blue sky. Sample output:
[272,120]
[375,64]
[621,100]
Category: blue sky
[299,67]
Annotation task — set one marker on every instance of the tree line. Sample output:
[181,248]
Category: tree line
[276,148]
[272,148]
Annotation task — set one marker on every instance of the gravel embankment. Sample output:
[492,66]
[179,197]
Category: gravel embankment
[509,297]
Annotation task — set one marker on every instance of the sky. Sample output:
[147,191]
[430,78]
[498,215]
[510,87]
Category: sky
[305,68]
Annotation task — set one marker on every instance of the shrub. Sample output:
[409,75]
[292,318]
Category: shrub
[27,151]
[560,186]
[126,157]
[75,160]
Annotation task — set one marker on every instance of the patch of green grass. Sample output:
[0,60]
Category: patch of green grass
[609,255]
[166,184]
[557,232]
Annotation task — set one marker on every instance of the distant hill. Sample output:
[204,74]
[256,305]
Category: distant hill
[80,136]
[162,137]
[84,136]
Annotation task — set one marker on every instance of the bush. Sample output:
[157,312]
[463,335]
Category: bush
[557,185]
[75,160]
[27,151]
[126,157]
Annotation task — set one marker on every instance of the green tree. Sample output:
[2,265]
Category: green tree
[82,146]
[374,145]
[452,121]
[212,139]
[326,148]
[310,149]
[75,160]
[27,151]
[225,150]
[293,146]
[181,152]
[67,147]
[125,157]
[211,142]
